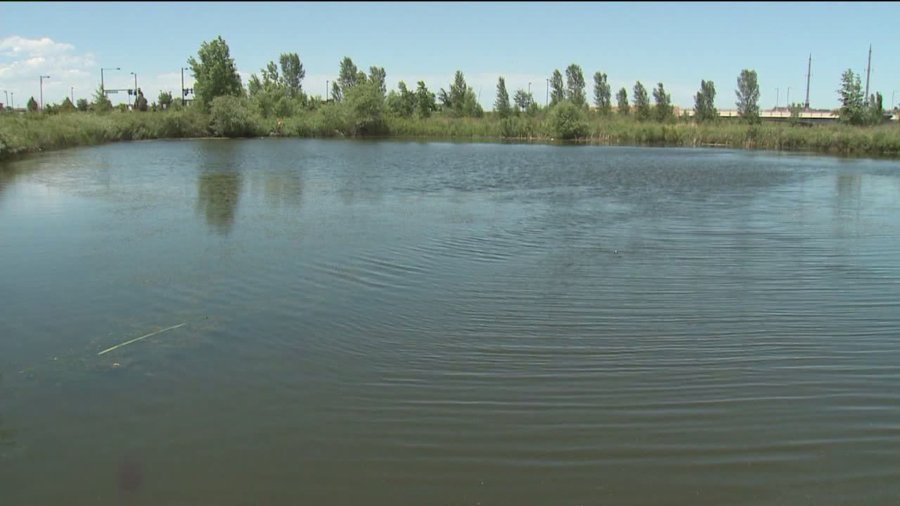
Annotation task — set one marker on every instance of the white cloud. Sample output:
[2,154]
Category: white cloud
[23,60]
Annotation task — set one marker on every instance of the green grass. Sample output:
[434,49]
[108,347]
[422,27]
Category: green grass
[31,133]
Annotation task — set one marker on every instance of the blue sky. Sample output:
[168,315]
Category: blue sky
[677,44]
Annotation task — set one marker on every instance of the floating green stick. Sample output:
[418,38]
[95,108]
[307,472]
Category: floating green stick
[142,337]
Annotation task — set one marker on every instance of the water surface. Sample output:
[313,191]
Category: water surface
[435,323]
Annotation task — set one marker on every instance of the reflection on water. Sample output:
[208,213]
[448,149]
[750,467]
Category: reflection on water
[217,198]
[6,434]
[390,323]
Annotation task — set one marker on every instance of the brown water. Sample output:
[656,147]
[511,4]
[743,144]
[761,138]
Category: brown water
[428,323]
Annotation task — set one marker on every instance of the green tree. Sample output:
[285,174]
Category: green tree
[566,121]
[876,109]
[292,74]
[424,101]
[379,77]
[852,107]
[704,103]
[602,94]
[165,99]
[795,109]
[663,109]
[401,104]
[215,74]
[575,85]
[348,76]
[557,89]
[82,104]
[365,105]
[101,102]
[460,101]
[622,102]
[67,106]
[641,102]
[524,101]
[501,105]
[748,96]
[32,105]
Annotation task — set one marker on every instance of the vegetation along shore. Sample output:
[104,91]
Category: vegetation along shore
[274,103]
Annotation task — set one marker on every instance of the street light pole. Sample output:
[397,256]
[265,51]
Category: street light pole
[326,90]
[72,91]
[42,90]
[776,98]
[789,97]
[102,84]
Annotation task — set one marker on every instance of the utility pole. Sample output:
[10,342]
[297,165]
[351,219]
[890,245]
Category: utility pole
[868,70]
[326,90]
[73,94]
[808,73]
[777,91]
[547,99]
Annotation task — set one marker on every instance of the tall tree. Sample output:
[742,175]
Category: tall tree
[164,99]
[140,102]
[501,105]
[852,107]
[402,104]
[622,102]
[348,76]
[101,101]
[575,85]
[641,102]
[748,96]
[704,102]
[31,105]
[663,109]
[215,74]
[557,88]
[424,101]
[378,76]
[461,100]
[602,94]
[292,73]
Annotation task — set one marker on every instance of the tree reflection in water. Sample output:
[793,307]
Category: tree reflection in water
[217,199]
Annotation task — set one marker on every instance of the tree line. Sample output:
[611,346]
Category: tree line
[362,98]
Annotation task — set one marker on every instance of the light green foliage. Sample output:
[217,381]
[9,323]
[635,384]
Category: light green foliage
[292,74]
[566,121]
[164,99]
[402,103]
[795,113]
[424,101]
[379,77]
[622,102]
[602,94]
[230,117]
[348,76]
[101,102]
[557,89]
[704,103]
[365,108]
[575,85]
[748,96]
[664,111]
[501,105]
[82,104]
[641,102]
[460,101]
[215,74]
[32,105]
[875,112]
[524,102]
[853,110]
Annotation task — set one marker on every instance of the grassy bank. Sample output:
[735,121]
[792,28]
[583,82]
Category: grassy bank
[31,133]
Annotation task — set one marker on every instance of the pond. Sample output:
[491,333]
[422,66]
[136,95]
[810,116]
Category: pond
[340,322]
